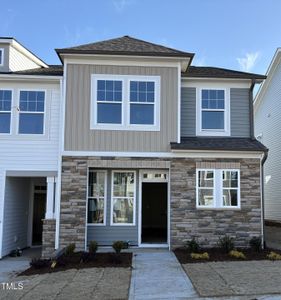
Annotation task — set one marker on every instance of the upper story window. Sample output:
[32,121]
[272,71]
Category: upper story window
[218,188]
[124,102]
[109,101]
[5,111]
[1,56]
[31,115]
[213,112]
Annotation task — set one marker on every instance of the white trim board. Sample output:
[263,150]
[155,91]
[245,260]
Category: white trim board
[173,154]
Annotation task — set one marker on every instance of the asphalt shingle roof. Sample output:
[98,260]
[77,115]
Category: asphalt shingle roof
[126,45]
[212,72]
[53,70]
[216,143]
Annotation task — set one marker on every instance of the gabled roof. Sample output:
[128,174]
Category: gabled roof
[212,72]
[23,50]
[125,45]
[219,143]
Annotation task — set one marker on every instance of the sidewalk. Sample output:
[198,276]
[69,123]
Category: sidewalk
[158,275]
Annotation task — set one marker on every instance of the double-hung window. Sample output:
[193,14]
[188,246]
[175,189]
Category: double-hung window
[5,111]
[31,115]
[142,102]
[1,56]
[218,188]
[125,102]
[97,197]
[213,112]
[123,198]
[109,101]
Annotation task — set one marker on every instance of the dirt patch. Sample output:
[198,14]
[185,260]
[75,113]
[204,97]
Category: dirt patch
[81,261]
[216,254]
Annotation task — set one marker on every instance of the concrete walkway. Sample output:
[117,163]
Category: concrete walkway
[11,266]
[158,275]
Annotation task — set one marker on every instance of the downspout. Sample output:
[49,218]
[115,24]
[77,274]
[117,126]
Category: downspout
[265,155]
[251,110]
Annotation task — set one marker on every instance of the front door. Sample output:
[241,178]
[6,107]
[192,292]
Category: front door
[154,207]
[39,210]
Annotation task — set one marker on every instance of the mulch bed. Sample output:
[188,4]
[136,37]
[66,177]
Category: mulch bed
[216,254]
[99,260]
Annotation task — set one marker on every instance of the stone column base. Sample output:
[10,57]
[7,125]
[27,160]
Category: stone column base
[48,238]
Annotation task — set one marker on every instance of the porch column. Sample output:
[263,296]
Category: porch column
[50,198]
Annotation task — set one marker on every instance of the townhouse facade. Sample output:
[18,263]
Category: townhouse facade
[148,149]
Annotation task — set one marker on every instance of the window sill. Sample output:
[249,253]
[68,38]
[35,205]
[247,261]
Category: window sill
[212,133]
[96,224]
[218,208]
[122,224]
[117,127]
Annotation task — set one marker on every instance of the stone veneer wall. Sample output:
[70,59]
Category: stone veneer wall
[48,237]
[185,220]
[207,225]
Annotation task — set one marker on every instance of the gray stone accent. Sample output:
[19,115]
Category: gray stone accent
[48,238]
[207,225]
[185,220]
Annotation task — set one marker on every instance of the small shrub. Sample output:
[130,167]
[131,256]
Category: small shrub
[274,256]
[93,247]
[193,246]
[85,257]
[39,263]
[226,243]
[237,254]
[118,246]
[255,243]
[199,256]
[69,250]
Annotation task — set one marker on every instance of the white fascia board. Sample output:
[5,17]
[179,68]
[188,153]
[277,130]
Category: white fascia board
[222,82]
[173,154]
[27,53]
[122,60]
[269,73]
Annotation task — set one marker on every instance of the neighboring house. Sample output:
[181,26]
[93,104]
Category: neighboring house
[30,100]
[267,110]
[152,150]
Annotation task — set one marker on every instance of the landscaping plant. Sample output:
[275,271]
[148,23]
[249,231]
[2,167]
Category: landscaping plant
[93,247]
[39,263]
[69,250]
[193,246]
[237,254]
[118,246]
[226,243]
[198,256]
[255,243]
[274,256]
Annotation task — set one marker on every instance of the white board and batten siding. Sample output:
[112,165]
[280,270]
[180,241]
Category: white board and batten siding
[28,153]
[267,129]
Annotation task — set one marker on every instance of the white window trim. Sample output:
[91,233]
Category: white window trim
[125,115]
[134,201]
[105,198]
[6,111]
[2,57]
[31,112]
[213,132]
[218,190]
